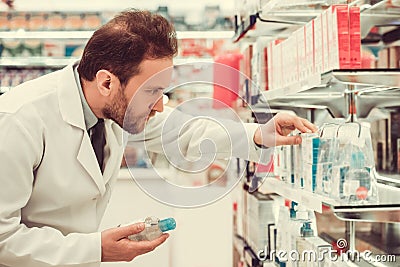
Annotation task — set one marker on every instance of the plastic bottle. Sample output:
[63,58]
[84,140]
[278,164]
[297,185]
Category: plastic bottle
[357,184]
[154,228]
[301,244]
[298,216]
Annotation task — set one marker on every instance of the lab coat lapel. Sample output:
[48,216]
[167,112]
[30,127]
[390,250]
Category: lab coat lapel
[72,113]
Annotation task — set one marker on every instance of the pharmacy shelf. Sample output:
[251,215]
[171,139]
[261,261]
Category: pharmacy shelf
[84,35]
[22,34]
[310,82]
[308,199]
[63,61]
[385,212]
[36,61]
[375,88]
[389,213]
[387,78]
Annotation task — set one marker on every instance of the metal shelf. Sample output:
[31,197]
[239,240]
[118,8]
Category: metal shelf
[375,88]
[372,213]
[21,34]
[388,78]
[388,211]
[308,199]
[84,35]
[36,61]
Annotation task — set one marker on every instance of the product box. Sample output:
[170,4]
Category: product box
[286,72]
[310,176]
[270,65]
[334,45]
[275,66]
[318,44]
[255,69]
[325,42]
[341,16]
[310,146]
[54,48]
[383,59]
[260,216]
[394,57]
[332,36]
[301,52]
[289,59]
[310,47]
[355,37]
[279,64]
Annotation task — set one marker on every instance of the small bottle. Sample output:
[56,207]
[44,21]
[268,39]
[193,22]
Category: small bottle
[154,228]
[357,187]
[301,244]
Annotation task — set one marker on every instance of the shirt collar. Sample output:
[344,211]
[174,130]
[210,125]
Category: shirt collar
[90,118]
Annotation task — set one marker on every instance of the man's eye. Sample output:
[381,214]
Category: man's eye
[153,92]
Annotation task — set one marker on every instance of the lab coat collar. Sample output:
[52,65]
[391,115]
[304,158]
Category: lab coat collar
[69,99]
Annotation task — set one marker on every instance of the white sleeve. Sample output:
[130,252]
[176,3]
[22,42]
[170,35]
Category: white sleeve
[21,245]
[182,136]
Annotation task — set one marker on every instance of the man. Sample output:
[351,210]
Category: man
[56,183]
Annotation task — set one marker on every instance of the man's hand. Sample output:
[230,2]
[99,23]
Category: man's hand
[275,131]
[115,245]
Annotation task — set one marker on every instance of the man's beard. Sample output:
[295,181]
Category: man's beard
[122,113]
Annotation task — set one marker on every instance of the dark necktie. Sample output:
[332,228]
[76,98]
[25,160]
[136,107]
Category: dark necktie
[98,141]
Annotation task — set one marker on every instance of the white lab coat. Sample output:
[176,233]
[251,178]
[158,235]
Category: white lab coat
[52,192]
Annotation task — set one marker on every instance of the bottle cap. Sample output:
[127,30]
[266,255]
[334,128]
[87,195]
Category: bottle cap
[167,224]
[306,230]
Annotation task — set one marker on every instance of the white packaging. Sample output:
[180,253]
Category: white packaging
[325,48]
[301,53]
[310,50]
[318,44]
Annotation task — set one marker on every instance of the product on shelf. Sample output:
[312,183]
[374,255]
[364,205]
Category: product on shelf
[92,21]
[37,22]
[338,162]
[55,21]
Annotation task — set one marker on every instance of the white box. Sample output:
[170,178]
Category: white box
[325,48]
[270,68]
[301,53]
[318,44]
[309,68]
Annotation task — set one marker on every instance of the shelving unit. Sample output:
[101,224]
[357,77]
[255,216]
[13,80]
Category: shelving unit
[308,199]
[384,212]
[48,62]
[333,81]
[21,34]
[345,93]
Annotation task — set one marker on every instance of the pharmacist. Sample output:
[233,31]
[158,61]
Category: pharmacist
[61,145]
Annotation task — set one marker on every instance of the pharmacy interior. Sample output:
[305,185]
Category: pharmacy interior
[333,200]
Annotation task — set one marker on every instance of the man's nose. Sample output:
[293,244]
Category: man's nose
[159,105]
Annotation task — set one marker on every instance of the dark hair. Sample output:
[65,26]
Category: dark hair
[124,42]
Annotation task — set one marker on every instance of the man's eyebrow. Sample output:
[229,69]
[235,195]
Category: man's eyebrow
[155,87]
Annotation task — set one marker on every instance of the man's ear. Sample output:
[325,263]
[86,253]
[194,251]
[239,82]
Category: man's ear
[106,82]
